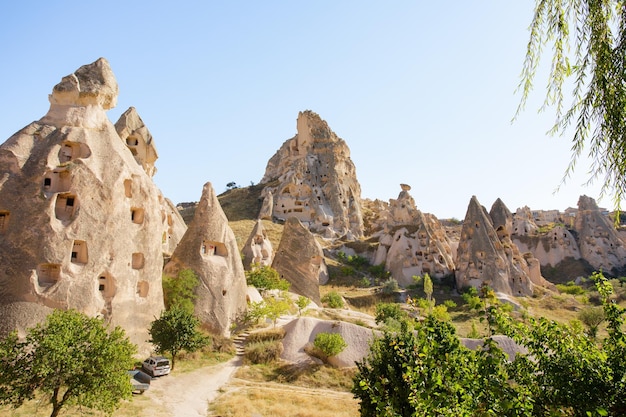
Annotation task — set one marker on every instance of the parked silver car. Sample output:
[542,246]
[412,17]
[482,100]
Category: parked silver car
[156,365]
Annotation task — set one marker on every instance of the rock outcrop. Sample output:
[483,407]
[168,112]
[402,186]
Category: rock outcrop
[411,242]
[598,240]
[487,256]
[209,248]
[300,260]
[317,181]
[80,219]
[258,248]
[173,226]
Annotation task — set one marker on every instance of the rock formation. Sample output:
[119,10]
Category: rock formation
[411,242]
[550,248]
[258,248]
[209,248]
[523,222]
[487,256]
[300,260]
[598,241]
[317,181]
[80,220]
[138,139]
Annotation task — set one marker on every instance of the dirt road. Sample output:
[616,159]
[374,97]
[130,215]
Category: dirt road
[188,394]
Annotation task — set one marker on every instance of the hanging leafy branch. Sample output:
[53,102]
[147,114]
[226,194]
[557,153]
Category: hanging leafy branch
[596,31]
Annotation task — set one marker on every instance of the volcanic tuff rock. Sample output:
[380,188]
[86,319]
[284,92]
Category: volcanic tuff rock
[209,248]
[597,239]
[80,220]
[411,242]
[300,260]
[317,181]
[258,248]
[488,257]
[138,140]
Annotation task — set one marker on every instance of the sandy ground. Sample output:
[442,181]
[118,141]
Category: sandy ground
[188,394]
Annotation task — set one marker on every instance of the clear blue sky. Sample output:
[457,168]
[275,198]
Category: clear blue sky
[422,92]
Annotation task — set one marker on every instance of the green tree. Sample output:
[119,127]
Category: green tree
[276,307]
[592,317]
[333,300]
[72,359]
[386,311]
[597,67]
[302,302]
[428,287]
[266,278]
[176,330]
[180,290]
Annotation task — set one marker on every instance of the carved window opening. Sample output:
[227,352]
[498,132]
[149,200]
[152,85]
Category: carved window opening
[48,274]
[4,220]
[106,286]
[71,150]
[138,260]
[132,141]
[65,206]
[143,288]
[128,188]
[223,292]
[57,181]
[210,248]
[137,215]
[79,252]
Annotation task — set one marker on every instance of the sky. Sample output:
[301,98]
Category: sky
[423,92]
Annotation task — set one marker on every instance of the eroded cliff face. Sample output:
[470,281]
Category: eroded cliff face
[317,181]
[599,243]
[487,256]
[300,260]
[411,242]
[80,219]
[209,248]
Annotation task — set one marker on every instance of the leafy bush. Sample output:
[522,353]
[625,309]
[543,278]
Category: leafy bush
[329,344]
[364,282]
[385,311]
[470,296]
[266,278]
[449,303]
[347,271]
[302,302]
[333,300]
[263,352]
[269,335]
[180,290]
[570,288]
[378,271]
[390,286]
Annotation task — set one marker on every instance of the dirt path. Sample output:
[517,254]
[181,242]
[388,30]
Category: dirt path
[188,394]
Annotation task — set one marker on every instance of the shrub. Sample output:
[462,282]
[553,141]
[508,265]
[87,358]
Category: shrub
[329,344]
[347,271]
[364,282]
[570,288]
[266,278]
[449,303]
[179,291]
[270,335]
[302,302]
[263,352]
[333,300]
[390,286]
[385,311]
[378,271]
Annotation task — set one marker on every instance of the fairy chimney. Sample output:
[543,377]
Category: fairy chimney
[258,248]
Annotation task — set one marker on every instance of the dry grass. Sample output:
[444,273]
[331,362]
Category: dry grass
[284,402]
[40,408]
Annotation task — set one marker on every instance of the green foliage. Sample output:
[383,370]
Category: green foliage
[471,298]
[571,288]
[596,32]
[364,282]
[71,359]
[592,317]
[265,351]
[390,286]
[302,302]
[428,287]
[347,271]
[378,271]
[329,344]
[176,330]
[386,311]
[266,278]
[449,303]
[441,312]
[270,308]
[427,371]
[333,300]
[353,260]
[180,291]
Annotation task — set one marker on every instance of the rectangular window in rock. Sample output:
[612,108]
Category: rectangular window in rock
[137,260]
[136,215]
[79,252]
[142,288]
[65,206]
[57,181]
[48,274]
[210,248]
[4,220]
[128,188]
